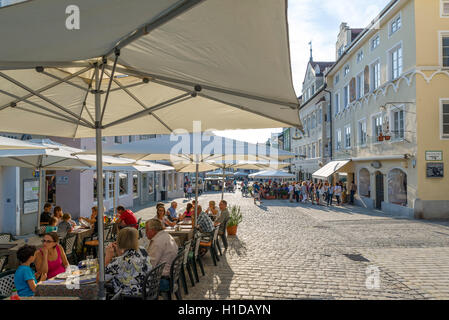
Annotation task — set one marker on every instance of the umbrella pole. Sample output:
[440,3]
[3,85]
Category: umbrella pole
[196,194]
[100,216]
[222,189]
[39,205]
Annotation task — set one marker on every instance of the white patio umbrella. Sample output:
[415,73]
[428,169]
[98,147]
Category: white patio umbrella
[272,174]
[8,144]
[164,63]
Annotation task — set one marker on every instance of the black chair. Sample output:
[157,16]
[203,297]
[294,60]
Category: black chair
[175,271]
[90,244]
[6,283]
[6,237]
[195,258]
[3,262]
[69,245]
[211,244]
[186,265]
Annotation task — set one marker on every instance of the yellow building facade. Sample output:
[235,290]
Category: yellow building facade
[390,98]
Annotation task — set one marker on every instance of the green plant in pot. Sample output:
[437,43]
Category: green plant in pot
[235,218]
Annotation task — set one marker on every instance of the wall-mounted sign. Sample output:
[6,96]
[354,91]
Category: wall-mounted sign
[435,170]
[434,155]
[30,196]
[376,164]
[62,180]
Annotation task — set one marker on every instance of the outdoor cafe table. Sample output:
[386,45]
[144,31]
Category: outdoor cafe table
[56,287]
[184,234]
[14,246]
[81,234]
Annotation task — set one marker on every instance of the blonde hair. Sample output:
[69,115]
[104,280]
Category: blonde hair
[128,238]
[212,203]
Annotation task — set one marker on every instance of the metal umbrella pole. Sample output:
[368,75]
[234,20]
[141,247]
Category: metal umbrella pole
[222,189]
[100,216]
[196,193]
[39,205]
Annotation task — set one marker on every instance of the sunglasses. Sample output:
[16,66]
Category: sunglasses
[47,241]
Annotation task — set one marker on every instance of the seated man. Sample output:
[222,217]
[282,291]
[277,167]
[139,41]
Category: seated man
[205,223]
[46,215]
[224,216]
[171,212]
[162,248]
[126,218]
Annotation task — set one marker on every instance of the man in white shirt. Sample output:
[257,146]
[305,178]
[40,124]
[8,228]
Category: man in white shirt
[162,248]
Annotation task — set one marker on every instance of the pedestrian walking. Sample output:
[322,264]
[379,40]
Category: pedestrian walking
[304,192]
[353,192]
[337,192]
[330,192]
[291,191]
[297,191]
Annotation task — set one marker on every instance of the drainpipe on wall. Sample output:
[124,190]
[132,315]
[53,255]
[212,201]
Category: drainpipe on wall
[331,139]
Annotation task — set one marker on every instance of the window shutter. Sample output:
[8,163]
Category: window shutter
[352,90]
[366,79]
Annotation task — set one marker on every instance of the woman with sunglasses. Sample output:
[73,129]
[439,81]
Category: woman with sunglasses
[51,259]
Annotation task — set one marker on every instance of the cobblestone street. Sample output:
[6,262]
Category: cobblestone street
[300,251]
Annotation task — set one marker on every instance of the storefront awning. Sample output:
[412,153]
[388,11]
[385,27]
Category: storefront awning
[329,169]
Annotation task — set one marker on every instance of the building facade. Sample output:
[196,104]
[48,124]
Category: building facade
[312,146]
[390,89]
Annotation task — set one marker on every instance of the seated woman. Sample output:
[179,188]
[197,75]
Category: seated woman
[52,225]
[162,217]
[126,263]
[188,213]
[65,226]
[51,259]
[93,217]
[57,213]
[212,210]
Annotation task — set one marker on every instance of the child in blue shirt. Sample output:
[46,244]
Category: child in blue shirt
[52,225]
[24,278]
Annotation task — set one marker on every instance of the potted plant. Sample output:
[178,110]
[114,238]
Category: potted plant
[234,220]
[284,194]
[381,137]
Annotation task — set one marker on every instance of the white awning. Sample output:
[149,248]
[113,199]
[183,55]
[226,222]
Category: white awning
[329,169]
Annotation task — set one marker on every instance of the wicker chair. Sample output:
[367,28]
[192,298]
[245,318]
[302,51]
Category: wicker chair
[5,237]
[175,271]
[6,283]
[69,245]
[3,262]
[90,244]
[211,244]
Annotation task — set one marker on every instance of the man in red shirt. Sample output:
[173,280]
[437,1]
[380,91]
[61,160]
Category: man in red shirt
[126,218]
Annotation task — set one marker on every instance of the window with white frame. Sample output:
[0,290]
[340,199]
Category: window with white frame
[313,121]
[445,119]
[337,78]
[308,152]
[123,184]
[320,116]
[395,24]
[308,126]
[445,50]
[375,42]
[360,86]
[341,50]
[313,151]
[319,148]
[362,132]
[360,56]
[338,142]
[398,123]
[375,75]
[111,184]
[131,139]
[396,62]
[377,125]
[445,8]
[337,103]
[313,89]
[118,139]
[348,137]
[346,70]
[345,97]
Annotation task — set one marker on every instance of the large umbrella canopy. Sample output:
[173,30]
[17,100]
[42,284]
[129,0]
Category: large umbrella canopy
[201,148]
[226,63]
[9,144]
[55,156]
[276,174]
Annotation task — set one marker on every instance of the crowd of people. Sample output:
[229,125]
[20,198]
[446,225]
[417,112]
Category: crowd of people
[126,262]
[319,193]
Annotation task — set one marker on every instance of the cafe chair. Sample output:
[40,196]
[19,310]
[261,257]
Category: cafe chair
[3,262]
[5,237]
[186,265]
[211,244]
[69,245]
[90,244]
[42,230]
[195,258]
[6,283]
[223,236]
[175,271]
[217,243]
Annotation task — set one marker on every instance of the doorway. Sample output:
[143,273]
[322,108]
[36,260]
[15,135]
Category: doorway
[50,187]
[379,190]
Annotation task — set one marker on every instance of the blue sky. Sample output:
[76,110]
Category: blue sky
[317,21]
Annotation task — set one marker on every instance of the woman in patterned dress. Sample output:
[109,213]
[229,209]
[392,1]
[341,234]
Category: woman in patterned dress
[126,263]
